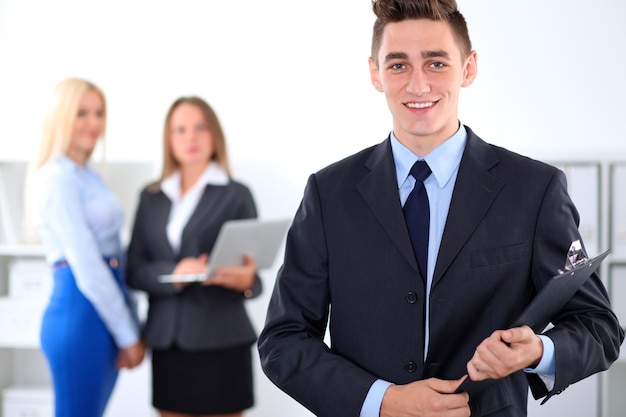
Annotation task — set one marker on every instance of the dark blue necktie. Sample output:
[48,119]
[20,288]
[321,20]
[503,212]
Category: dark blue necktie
[417,215]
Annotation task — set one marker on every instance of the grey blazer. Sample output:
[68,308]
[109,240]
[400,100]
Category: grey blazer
[196,317]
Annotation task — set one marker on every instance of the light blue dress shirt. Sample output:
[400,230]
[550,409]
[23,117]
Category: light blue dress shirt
[78,220]
[444,162]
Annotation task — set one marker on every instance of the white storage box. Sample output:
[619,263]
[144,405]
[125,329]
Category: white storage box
[27,401]
[30,278]
[20,322]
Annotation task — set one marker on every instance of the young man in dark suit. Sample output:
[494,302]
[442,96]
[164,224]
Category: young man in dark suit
[406,327]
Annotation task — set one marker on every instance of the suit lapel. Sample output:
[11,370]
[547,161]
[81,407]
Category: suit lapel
[198,220]
[474,192]
[379,189]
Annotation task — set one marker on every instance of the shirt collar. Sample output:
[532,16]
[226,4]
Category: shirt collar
[68,164]
[443,160]
[213,174]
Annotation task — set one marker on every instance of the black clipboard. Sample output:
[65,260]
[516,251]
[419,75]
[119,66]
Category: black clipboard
[549,301]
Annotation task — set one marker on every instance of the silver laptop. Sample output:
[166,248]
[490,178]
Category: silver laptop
[260,239]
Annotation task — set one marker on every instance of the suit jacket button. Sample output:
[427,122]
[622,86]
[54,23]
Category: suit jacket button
[411,297]
[410,366]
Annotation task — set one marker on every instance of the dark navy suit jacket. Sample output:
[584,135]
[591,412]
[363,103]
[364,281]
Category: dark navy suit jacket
[349,260]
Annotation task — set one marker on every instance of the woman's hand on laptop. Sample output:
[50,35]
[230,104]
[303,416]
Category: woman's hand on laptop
[237,278]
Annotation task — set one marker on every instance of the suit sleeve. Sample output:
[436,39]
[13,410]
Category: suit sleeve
[293,353]
[586,332]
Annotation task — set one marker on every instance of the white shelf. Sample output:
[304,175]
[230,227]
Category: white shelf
[20,321]
[28,401]
[22,298]
[20,250]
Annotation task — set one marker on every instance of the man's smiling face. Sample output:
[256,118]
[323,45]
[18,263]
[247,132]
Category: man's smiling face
[421,70]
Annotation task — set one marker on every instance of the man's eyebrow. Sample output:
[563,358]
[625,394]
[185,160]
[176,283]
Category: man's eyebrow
[436,54]
[395,55]
[439,53]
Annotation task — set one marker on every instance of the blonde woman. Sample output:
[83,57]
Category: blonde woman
[199,333]
[88,330]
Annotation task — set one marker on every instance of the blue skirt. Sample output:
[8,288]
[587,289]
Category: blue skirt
[81,352]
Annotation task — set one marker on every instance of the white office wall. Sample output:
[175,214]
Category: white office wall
[290,83]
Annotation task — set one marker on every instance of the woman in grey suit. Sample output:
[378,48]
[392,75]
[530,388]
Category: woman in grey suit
[199,332]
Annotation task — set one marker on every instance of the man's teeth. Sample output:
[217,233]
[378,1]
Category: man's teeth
[420,105]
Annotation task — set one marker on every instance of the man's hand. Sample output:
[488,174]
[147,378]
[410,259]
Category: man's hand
[505,352]
[430,397]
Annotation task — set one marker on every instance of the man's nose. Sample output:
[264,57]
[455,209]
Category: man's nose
[419,83]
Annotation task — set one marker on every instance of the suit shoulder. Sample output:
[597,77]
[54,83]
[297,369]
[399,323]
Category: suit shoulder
[500,158]
[489,154]
[151,189]
[236,189]
[238,186]
[523,162]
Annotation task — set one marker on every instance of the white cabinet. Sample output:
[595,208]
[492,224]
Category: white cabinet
[584,186]
[613,398]
[27,402]
[617,213]
[25,283]
[617,288]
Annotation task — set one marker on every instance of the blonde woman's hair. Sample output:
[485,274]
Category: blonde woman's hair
[58,125]
[60,117]
[220,154]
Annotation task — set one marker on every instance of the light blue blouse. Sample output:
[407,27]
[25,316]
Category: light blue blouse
[78,219]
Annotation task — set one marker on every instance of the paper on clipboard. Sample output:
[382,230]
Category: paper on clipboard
[260,239]
[549,301]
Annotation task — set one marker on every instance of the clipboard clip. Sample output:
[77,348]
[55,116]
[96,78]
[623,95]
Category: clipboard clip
[576,256]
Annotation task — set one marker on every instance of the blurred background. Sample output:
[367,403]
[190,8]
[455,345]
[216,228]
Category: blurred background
[290,83]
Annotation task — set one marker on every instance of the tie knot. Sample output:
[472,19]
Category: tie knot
[420,170]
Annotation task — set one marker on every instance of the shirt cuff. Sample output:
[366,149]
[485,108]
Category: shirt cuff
[374,399]
[546,369]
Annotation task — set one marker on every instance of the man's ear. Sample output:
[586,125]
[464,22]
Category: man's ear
[374,76]
[470,70]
